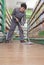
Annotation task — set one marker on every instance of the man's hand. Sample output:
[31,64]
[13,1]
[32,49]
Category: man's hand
[17,20]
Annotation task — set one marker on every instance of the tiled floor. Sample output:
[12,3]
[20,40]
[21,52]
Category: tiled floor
[20,54]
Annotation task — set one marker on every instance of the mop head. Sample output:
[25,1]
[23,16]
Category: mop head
[29,43]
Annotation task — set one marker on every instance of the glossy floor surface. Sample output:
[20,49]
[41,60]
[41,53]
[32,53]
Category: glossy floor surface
[17,53]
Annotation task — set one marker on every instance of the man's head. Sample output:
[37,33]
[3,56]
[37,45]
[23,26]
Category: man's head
[23,7]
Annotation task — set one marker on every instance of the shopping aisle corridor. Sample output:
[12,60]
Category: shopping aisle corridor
[20,54]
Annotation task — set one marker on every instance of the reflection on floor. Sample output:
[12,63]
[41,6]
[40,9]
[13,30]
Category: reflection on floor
[20,54]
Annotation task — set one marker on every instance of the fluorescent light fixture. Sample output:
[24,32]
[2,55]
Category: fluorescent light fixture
[31,3]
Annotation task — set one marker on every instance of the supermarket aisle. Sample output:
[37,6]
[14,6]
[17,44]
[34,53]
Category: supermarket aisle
[20,54]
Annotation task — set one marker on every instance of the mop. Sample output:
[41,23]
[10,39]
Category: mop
[28,41]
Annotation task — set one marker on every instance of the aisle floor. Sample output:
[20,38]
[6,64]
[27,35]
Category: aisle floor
[21,54]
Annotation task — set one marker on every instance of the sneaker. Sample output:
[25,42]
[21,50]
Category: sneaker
[22,41]
[6,41]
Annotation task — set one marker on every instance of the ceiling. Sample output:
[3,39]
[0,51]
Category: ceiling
[16,3]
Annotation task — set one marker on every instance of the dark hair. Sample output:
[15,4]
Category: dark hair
[24,5]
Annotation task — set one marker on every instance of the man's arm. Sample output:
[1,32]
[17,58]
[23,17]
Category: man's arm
[14,12]
[23,20]
[13,15]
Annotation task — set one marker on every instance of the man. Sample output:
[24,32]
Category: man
[18,19]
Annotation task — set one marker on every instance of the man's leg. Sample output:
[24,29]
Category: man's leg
[21,33]
[11,31]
